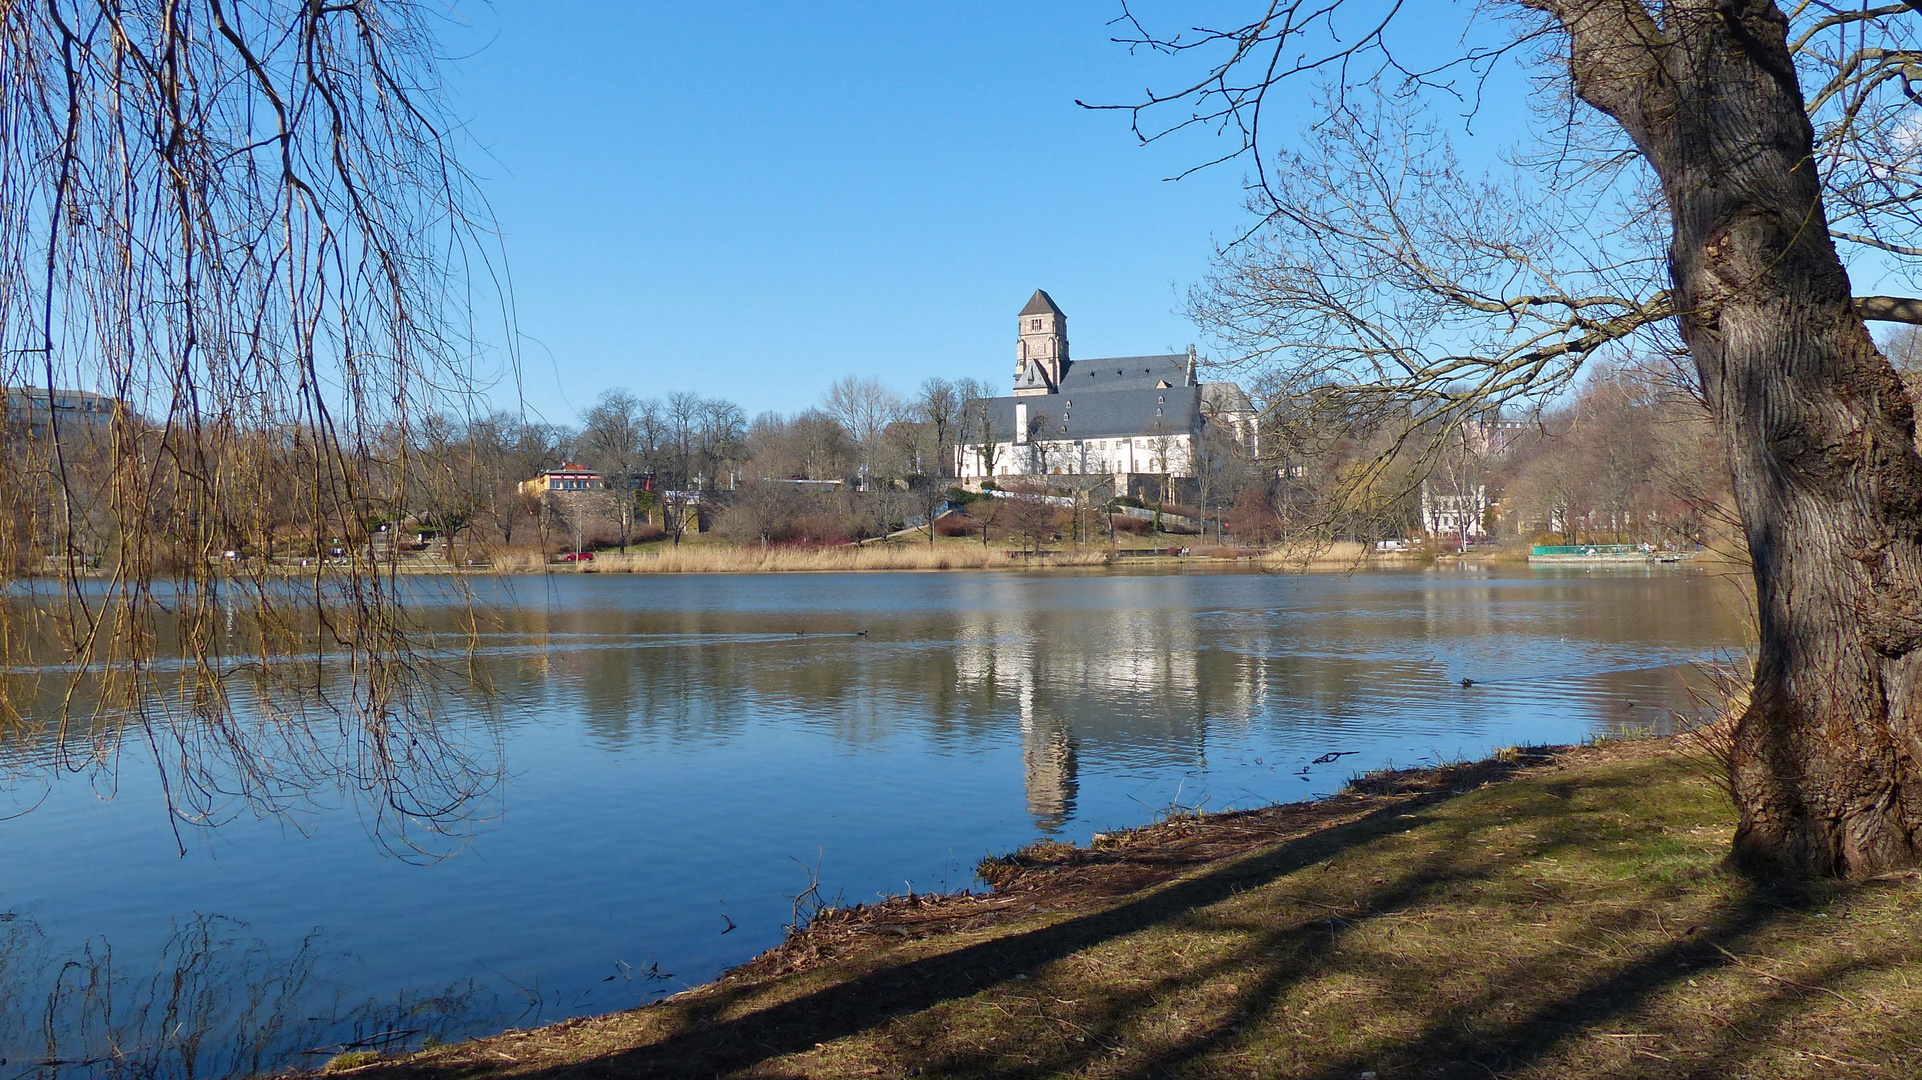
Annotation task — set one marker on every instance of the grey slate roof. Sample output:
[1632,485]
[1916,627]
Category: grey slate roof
[1125,373]
[1101,413]
[1224,397]
[1030,376]
[1041,304]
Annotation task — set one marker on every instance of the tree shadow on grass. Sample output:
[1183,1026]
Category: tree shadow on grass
[1231,990]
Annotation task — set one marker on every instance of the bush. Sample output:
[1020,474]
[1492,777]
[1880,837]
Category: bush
[1253,519]
[956,525]
[1131,525]
[823,530]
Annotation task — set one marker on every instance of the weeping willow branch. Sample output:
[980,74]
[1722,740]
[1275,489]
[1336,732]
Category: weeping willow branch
[238,270]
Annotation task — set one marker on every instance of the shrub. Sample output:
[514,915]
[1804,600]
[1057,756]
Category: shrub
[1253,519]
[823,530]
[1131,525]
[956,525]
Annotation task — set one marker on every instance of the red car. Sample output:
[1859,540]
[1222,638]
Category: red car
[578,556]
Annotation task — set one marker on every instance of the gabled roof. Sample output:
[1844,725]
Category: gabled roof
[1125,373]
[1224,397]
[1041,304]
[1100,415]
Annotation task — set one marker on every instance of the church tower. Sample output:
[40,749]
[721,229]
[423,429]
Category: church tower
[1041,347]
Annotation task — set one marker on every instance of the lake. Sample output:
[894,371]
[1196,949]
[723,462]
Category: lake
[681,756]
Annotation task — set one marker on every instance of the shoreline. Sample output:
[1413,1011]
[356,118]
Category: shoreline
[699,559]
[1552,911]
[702,558]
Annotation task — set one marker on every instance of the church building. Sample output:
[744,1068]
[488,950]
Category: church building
[1136,419]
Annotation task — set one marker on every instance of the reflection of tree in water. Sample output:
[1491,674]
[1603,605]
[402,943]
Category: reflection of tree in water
[216,1006]
[280,732]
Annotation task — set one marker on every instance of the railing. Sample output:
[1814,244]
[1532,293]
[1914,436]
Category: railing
[1588,549]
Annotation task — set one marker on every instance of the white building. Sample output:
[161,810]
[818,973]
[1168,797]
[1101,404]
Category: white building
[1124,417]
[1455,517]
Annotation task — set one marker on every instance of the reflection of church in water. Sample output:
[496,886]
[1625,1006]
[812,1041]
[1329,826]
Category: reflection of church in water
[1048,762]
[1147,684]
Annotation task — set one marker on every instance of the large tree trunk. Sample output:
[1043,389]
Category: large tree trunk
[1817,429]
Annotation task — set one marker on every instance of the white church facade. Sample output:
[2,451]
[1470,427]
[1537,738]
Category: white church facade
[1132,418]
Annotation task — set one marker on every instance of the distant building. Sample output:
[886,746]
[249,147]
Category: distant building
[37,411]
[1130,417]
[568,478]
[1458,517]
[1493,436]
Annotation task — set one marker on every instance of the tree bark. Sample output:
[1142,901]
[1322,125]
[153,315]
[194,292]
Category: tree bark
[1827,768]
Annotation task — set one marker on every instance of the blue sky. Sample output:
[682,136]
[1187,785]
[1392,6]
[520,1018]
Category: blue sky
[751,200]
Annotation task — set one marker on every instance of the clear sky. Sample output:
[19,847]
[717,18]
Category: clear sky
[751,200]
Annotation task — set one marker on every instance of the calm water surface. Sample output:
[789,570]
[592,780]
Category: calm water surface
[683,752]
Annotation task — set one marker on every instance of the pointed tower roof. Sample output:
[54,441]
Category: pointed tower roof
[1040,304]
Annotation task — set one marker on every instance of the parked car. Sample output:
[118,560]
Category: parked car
[578,556]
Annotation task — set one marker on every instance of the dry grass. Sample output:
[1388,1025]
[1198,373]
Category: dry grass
[712,557]
[721,558]
[517,561]
[1564,916]
[1341,555]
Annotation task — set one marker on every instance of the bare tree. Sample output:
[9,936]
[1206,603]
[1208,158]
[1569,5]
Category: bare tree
[681,418]
[1161,455]
[930,495]
[1029,516]
[1904,350]
[679,509]
[991,511]
[865,408]
[722,440]
[939,409]
[762,510]
[244,227]
[611,436]
[1382,276]
[978,430]
[1253,520]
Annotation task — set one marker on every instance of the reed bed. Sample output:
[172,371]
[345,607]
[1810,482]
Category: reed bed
[1340,555]
[715,558]
[727,559]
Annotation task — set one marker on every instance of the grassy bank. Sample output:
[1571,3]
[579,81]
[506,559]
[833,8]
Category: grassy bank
[1559,915]
[708,557]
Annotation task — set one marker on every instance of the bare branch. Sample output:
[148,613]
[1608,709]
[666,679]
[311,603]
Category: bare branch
[1900,309]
